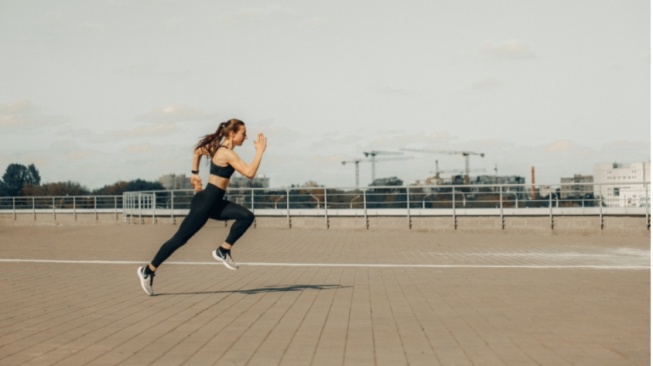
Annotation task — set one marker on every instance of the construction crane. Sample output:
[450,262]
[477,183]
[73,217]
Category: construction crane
[465,154]
[372,155]
[438,171]
[358,161]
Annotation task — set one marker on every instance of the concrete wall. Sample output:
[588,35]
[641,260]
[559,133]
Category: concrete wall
[544,225]
[61,219]
[572,225]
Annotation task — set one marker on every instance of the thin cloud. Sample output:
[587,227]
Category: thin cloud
[561,146]
[628,145]
[163,129]
[81,155]
[513,49]
[137,149]
[24,113]
[16,113]
[176,113]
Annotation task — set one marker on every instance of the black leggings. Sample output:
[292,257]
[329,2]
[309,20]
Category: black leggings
[209,203]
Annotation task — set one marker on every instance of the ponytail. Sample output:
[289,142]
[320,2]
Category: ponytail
[211,142]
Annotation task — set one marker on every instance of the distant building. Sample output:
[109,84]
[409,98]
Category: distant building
[509,184]
[389,181]
[546,190]
[494,179]
[577,186]
[623,184]
[459,180]
[238,181]
[175,181]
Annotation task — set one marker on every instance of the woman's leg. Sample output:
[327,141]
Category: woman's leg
[200,208]
[230,211]
[243,217]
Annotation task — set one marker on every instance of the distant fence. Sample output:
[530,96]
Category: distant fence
[408,202]
[62,206]
[452,202]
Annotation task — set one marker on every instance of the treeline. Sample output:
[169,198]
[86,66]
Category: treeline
[21,180]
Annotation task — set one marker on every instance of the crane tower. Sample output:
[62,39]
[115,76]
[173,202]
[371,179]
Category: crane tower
[465,154]
[373,161]
[372,155]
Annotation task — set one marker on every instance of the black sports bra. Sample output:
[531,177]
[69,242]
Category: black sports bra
[222,171]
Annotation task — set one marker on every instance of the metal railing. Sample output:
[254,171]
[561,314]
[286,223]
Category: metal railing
[461,200]
[453,200]
[61,205]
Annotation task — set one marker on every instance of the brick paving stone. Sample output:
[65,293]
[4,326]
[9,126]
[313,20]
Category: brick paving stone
[495,299]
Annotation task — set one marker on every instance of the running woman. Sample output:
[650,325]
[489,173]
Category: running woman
[210,202]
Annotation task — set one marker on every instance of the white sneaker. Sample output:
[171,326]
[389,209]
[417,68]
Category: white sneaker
[226,260]
[146,280]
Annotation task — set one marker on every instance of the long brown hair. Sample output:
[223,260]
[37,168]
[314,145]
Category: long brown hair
[212,142]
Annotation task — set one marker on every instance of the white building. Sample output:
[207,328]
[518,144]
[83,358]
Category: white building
[175,181]
[577,186]
[623,184]
[260,181]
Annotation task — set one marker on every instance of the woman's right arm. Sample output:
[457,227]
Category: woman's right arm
[249,171]
[195,179]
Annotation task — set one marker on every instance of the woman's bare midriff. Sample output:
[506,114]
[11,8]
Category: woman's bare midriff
[219,182]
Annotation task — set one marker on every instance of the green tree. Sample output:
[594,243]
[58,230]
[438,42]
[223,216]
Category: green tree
[121,187]
[143,185]
[115,189]
[56,189]
[18,176]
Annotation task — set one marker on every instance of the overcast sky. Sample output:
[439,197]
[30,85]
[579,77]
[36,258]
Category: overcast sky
[101,91]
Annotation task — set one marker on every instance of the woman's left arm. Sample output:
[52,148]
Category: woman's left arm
[195,179]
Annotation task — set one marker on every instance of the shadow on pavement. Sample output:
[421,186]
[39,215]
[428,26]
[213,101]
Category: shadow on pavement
[260,290]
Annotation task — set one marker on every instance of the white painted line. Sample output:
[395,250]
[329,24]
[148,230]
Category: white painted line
[351,265]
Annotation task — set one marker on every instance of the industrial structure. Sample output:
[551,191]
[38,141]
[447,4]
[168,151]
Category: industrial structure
[465,154]
[372,156]
[373,160]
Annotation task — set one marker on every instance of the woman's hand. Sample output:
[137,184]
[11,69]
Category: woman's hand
[261,143]
[196,181]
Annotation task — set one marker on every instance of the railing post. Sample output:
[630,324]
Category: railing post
[408,207]
[551,210]
[453,200]
[125,206]
[367,222]
[288,207]
[13,200]
[153,203]
[503,221]
[601,210]
[140,208]
[326,214]
[54,209]
[95,204]
[115,206]
[253,207]
[74,208]
[34,208]
[647,204]
[172,207]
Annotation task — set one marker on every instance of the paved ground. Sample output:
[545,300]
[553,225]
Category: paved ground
[70,296]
